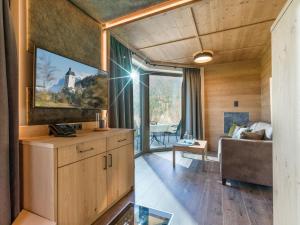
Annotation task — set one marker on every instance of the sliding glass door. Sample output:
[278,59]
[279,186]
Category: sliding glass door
[164,110]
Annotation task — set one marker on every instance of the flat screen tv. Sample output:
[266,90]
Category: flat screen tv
[60,82]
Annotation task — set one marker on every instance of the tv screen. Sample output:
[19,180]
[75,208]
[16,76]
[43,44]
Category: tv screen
[61,82]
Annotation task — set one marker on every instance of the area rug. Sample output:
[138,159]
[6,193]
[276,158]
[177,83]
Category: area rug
[184,159]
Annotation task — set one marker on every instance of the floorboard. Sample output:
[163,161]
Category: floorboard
[194,196]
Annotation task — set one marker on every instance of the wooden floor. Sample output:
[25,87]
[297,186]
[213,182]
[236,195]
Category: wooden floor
[193,196]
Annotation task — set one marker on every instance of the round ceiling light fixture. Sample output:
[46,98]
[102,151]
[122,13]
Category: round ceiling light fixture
[203,56]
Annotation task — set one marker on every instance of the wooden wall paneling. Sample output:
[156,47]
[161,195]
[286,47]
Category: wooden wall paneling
[225,83]
[286,115]
[266,74]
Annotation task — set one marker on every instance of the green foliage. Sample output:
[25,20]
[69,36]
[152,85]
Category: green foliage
[165,99]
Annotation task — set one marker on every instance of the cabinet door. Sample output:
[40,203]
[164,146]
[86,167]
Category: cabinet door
[101,183]
[112,176]
[120,173]
[126,169]
[78,194]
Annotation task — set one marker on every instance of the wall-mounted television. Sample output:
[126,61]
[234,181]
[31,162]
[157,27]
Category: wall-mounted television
[60,82]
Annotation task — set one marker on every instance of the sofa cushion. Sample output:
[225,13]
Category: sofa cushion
[256,135]
[263,126]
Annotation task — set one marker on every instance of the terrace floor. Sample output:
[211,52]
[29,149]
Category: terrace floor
[161,143]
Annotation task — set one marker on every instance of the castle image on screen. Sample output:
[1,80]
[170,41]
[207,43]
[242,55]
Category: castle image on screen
[64,83]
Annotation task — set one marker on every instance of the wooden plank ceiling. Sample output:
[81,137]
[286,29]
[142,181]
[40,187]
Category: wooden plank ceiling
[234,29]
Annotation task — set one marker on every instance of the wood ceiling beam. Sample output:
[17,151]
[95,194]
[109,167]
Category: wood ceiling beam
[168,42]
[196,28]
[206,34]
[146,12]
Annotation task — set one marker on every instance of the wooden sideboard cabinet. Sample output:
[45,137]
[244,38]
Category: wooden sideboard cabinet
[72,181]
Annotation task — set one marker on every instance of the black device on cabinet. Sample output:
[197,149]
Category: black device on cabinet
[62,130]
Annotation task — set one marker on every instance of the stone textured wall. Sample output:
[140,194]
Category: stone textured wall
[60,27]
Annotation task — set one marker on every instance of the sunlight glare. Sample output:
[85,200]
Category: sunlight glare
[134,74]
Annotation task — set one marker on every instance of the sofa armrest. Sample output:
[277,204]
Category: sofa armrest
[247,160]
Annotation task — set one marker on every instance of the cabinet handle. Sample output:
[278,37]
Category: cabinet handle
[105,162]
[85,150]
[110,161]
[121,140]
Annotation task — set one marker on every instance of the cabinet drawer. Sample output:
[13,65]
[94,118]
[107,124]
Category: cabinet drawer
[119,140]
[73,153]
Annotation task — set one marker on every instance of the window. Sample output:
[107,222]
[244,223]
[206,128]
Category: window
[164,110]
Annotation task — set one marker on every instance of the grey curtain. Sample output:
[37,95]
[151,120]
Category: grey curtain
[191,103]
[120,89]
[9,144]
[145,116]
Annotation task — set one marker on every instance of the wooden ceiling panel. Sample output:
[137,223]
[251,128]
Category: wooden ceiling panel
[227,56]
[245,37]
[216,15]
[171,51]
[234,29]
[166,27]
[238,55]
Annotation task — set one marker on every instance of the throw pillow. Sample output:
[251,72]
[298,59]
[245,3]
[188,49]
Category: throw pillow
[238,131]
[256,135]
[262,125]
[232,129]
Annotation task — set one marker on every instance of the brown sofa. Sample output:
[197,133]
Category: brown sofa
[246,160]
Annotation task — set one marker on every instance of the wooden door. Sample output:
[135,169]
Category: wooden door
[77,192]
[126,169]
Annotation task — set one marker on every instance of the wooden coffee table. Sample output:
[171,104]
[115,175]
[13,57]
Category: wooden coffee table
[200,147]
